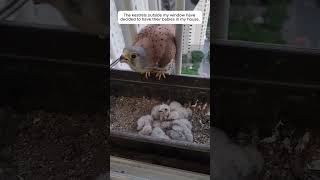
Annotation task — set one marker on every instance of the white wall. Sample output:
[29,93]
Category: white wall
[117,42]
[116,36]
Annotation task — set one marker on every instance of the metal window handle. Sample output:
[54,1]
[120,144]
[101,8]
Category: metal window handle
[114,63]
[11,7]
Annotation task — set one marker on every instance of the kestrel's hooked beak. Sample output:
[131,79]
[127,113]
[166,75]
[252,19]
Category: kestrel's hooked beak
[124,57]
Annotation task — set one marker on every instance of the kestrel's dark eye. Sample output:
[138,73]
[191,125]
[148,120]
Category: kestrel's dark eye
[133,56]
[166,109]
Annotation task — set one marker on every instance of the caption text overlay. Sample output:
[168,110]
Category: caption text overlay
[160,17]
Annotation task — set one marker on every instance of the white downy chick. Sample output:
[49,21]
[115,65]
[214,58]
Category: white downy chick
[180,113]
[186,122]
[162,125]
[174,105]
[181,130]
[160,112]
[156,124]
[165,124]
[174,115]
[176,133]
[158,133]
[144,125]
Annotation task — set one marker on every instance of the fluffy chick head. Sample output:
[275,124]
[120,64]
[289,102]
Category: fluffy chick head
[164,111]
[160,112]
[180,113]
[174,105]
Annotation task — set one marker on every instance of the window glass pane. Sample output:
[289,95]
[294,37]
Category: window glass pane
[196,42]
[194,38]
[152,49]
[289,22]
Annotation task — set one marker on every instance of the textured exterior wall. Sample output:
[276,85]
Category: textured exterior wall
[194,35]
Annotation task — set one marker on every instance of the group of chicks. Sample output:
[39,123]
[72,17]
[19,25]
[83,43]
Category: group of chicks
[167,122]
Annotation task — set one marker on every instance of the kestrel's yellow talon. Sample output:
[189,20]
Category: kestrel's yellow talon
[147,75]
[160,74]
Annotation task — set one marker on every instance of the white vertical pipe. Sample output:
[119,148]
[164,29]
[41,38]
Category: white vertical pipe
[153,5]
[180,6]
[159,5]
[128,30]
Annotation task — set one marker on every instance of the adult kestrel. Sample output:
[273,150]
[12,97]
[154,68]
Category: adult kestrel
[153,51]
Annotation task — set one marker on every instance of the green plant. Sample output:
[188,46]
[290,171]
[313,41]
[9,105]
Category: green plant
[191,71]
[197,56]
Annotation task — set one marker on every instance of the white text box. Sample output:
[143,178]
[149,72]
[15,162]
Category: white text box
[159,17]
